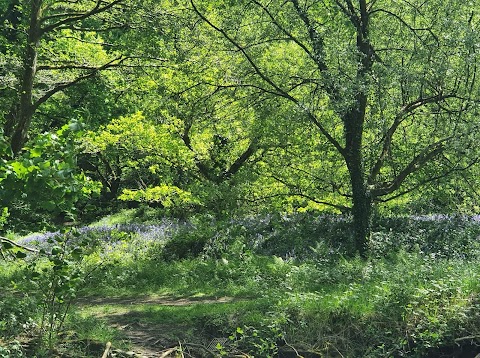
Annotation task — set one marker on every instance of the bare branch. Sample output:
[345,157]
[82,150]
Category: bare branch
[20,246]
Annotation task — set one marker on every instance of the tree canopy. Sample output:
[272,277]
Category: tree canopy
[221,106]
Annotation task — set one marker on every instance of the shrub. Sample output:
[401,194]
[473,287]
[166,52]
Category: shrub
[16,314]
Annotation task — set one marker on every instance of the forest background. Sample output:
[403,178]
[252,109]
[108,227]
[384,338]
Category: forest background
[362,110]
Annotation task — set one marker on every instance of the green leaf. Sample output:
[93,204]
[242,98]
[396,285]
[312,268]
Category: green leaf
[6,245]
[56,250]
[77,253]
[49,205]
[20,255]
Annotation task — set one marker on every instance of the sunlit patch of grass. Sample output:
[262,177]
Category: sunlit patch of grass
[92,328]
[124,216]
[163,310]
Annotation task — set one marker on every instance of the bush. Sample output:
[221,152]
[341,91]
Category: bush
[184,245]
[16,315]
[442,235]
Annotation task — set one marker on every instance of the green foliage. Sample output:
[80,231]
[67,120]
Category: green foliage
[131,151]
[169,197]
[399,302]
[443,235]
[44,181]
[56,280]
[4,218]
[257,342]
[185,245]
[16,314]
[11,350]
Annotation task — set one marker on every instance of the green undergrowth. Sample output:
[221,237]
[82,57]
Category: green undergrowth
[208,279]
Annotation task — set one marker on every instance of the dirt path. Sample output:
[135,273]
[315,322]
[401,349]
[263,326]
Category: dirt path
[153,340]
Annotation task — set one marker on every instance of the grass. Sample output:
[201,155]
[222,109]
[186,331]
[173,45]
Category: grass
[407,301]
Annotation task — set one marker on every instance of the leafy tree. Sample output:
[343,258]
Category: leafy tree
[51,47]
[219,131]
[44,182]
[390,87]
[134,153]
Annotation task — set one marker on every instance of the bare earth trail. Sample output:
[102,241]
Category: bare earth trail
[150,339]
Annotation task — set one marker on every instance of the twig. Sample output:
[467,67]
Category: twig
[167,352]
[180,349]
[188,344]
[107,350]
[294,349]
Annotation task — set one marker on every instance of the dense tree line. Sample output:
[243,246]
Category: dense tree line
[200,105]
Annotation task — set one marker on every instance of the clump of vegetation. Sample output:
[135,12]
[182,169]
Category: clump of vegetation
[261,177]
[415,300]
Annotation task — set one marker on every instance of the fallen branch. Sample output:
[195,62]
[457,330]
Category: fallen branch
[467,338]
[13,243]
[107,350]
[168,352]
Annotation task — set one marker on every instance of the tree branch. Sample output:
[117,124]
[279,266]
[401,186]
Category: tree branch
[295,191]
[113,63]
[97,9]
[388,136]
[278,91]
[241,160]
[429,180]
[315,38]
[282,29]
[415,164]
[411,28]
[20,246]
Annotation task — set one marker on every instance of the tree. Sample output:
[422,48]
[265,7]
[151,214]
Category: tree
[60,46]
[217,127]
[134,153]
[389,85]
[43,185]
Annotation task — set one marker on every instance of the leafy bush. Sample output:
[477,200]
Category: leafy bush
[16,314]
[447,236]
[11,350]
[43,183]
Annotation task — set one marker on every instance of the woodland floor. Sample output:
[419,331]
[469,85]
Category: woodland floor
[153,339]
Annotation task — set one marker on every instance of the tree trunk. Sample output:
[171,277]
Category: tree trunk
[361,198]
[353,122]
[26,109]
[361,208]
